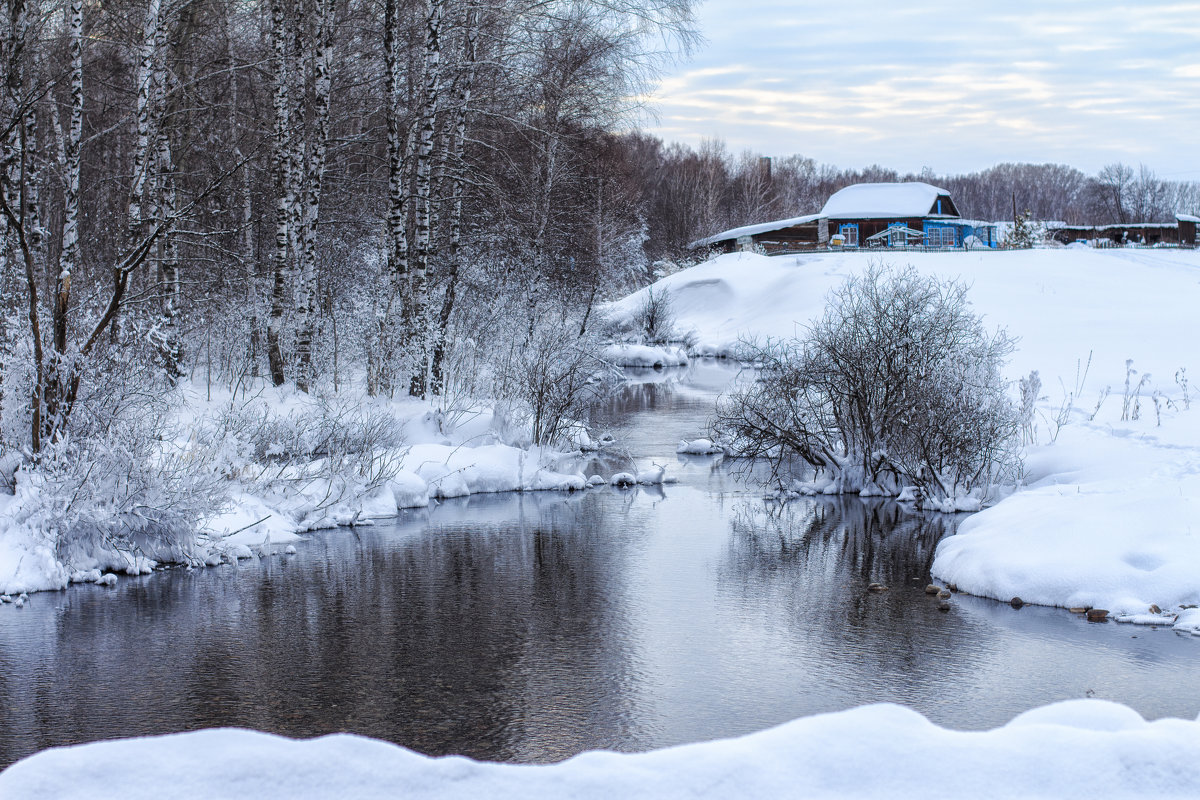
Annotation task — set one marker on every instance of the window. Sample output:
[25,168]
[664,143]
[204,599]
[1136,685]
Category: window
[850,235]
[940,236]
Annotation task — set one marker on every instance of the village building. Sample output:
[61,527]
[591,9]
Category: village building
[884,215]
[1181,233]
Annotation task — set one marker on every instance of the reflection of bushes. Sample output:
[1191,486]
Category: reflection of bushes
[867,539]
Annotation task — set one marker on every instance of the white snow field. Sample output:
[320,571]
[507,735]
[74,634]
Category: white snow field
[1109,516]
[1075,749]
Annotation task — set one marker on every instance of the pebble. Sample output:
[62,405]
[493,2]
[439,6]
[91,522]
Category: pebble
[1078,609]
[943,605]
[877,587]
[1154,609]
[1016,602]
[933,589]
[944,594]
[1097,615]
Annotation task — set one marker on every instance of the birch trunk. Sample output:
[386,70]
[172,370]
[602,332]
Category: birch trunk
[392,331]
[305,311]
[170,344]
[145,87]
[454,235]
[69,256]
[422,327]
[280,168]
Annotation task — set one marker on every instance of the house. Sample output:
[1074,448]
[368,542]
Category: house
[865,215]
[889,213]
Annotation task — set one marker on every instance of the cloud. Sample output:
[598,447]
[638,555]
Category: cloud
[944,84]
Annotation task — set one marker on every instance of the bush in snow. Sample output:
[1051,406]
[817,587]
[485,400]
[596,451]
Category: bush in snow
[656,316]
[898,383]
[120,489]
[1030,390]
[314,455]
[552,380]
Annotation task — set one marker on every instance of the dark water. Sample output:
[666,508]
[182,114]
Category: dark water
[532,627]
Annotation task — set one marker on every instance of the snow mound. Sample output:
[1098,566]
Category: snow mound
[623,479]
[1081,748]
[1110,524]
[698,447]
[1188,621]
[643,355]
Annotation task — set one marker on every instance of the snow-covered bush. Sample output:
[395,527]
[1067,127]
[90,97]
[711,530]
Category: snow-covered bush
[316,454]
[551,381]
[896,384]
[1031,388]
[527,354]
[120,491]
[656,316]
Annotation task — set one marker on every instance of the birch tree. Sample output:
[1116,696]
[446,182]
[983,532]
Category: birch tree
[281,172]
[421,323]
[322,64]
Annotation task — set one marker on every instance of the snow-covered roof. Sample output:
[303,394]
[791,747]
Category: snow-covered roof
[884,201]
[1186,218]
[753,230]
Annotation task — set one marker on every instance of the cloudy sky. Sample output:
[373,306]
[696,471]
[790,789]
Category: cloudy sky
[955,86]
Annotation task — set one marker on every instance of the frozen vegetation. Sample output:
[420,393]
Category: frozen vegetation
[1081,748]
[1105,513]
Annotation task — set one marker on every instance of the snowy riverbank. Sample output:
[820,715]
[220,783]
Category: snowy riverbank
[1081,748]
[1107,515]
[422,456]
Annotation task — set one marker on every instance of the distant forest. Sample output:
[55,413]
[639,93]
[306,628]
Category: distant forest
[691,193]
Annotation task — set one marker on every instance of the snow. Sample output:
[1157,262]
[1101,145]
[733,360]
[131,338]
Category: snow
[1107,516]
[751,230]
[643,355]
[1077,748]
[882,201]
[698,447]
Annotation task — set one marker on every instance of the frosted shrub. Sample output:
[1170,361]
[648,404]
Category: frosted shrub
[552,381]
[526,353]
[897,384]
[120,493]
[324,450]
[656,316]
[1131,402]
[1030,389]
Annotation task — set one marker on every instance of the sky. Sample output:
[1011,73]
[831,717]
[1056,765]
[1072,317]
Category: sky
[953,86]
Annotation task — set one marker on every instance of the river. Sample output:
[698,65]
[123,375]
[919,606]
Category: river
[530,627]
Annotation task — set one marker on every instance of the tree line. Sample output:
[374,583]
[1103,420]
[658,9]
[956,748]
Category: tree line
[690,193]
